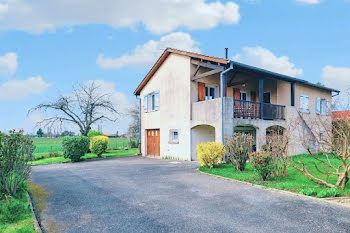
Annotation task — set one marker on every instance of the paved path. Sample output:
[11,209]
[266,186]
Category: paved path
[137,194]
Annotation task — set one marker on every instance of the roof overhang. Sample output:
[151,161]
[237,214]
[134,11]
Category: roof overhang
[166,53]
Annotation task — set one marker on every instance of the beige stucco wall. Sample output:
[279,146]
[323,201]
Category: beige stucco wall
[172,79]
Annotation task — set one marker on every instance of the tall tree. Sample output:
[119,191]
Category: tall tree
[87,105]
[40,133]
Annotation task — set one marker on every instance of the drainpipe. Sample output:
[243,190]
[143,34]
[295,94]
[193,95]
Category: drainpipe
[222,80]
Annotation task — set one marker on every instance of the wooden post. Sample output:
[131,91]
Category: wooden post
[261,96]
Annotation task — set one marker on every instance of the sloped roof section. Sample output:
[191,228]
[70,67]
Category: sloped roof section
[164,56]
[223,61]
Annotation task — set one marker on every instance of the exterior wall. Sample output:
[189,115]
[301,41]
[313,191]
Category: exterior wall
[201,133]
[172,79]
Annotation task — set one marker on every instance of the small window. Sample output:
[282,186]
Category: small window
[322,106]
[304,103]
[151,102]
[209,93]
[174,136]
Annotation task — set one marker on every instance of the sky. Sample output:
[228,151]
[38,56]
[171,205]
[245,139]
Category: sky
[48,47]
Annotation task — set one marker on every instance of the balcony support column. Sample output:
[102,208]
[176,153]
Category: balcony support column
[261,96]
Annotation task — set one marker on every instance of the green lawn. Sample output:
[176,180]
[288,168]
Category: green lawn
[295,180]
[44,145]
[111,153]
[16,216]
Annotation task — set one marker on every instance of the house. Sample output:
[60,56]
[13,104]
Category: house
[188,98]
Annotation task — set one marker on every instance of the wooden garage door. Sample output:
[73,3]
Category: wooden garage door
[153,142]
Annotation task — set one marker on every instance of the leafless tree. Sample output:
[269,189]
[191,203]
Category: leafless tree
[87,105]
[333,139]
[134,127]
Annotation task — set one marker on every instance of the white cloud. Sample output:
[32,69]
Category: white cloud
[3,9]
[338,78]
[148,53]
[20,89]
[308,2]
[158,16]
[264,58]
[8,63]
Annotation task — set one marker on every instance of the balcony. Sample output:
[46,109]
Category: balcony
[256,110]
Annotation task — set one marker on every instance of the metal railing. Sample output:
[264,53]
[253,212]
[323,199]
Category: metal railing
[250,109]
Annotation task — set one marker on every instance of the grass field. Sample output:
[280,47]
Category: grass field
[44,145]
[295,180]
[110,153]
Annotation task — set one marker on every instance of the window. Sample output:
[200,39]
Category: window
[151,102]
[304,103]
[244,95]
[322,106]
[174,136]
[210,92]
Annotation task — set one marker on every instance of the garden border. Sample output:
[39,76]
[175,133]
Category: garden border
[37,226]
[325,200]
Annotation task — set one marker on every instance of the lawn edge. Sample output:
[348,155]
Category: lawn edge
[86,160]
[325,200]
[37,226]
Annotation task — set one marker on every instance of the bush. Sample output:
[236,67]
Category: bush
[328,193]
[13,210]
[238,148]
[263,164]
[52,154]
[16,151]
[308,192]
[134,144]
[210,153]
[75,147]
[99,145]
[94,133]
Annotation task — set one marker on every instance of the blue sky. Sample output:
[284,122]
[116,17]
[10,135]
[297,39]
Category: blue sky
[46,48]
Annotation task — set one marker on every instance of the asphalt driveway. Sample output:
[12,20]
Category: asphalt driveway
[137,194]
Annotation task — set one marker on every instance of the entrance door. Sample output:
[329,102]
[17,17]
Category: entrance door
[153,142]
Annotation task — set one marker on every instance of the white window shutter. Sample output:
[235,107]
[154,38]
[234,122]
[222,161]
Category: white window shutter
[318,105]
[157,100]
[145,103]
[328,107]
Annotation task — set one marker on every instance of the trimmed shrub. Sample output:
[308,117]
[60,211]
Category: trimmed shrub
[263,164]
[238,148]
[75,147]
[16,151]
[94,133]
[210,153]
[99,145]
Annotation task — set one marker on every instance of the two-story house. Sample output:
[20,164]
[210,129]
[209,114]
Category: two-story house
[188,98]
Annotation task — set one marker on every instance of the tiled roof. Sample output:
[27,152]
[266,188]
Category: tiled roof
[341,115]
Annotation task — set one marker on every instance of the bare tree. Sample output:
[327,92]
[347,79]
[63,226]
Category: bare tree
[87,105]
[134,127]
[333,139]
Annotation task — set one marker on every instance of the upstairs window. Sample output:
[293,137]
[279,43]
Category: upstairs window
[304,103]
[151,102]
[322,106]
[210,92]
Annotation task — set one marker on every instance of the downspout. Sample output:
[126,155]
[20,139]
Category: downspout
[222,85]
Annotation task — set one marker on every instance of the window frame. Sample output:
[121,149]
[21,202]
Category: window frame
[171,136]
[151,102]
[322,106]
[301,109]
[209,87]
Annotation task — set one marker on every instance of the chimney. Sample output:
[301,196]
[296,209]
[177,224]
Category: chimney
[226,53]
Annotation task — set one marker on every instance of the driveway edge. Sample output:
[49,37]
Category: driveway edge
[329,201]
[35,219]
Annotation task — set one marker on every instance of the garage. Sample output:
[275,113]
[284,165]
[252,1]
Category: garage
[153,142]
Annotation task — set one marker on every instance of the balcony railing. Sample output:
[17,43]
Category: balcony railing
[253,110]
